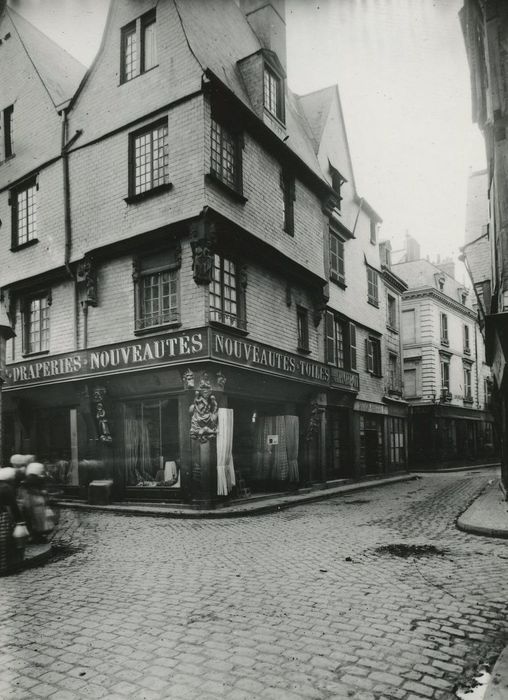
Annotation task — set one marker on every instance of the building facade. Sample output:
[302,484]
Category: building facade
[194,283]
[445,374]
[485,28]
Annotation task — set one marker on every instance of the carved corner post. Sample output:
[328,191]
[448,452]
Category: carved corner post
[6,332]
[86,290]
[203,395]
[203,240]
[320,299]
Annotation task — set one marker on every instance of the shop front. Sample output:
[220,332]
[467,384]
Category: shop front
[195,416]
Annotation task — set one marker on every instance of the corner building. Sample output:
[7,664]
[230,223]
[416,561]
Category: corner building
[196,317]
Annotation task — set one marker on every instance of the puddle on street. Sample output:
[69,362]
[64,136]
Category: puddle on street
[410,550]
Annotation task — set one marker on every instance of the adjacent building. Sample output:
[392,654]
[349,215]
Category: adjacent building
[446,379]
[485,28]
[195,285]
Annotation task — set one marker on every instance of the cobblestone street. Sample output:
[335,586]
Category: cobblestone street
[304,603]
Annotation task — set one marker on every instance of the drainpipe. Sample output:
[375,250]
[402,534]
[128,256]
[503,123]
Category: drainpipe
[67,209]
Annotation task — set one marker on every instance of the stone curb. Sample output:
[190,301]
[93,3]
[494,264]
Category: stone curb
[41,556]
[497,688]
[463,521]
[259,508]
[469,468]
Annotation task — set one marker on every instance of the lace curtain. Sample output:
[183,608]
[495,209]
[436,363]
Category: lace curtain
[225,468]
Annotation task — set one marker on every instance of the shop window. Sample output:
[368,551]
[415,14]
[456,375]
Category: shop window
[151,438]
[468,397]
[340,342]
[139,46]
[156,289]
[392,312]
[24,213]
[302,316]
[372,287]
[7,119]
[149,159]
[226,164]
[273,87]
[287,183]
[444,330]
[337,268]
[409,326]
[373,356]
[467,346]
[36,323]
[227,302]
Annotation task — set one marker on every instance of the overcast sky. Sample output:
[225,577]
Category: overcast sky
[403,77]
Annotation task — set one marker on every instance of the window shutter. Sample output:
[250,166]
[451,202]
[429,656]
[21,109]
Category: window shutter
[369,356]
[330,338]
[352,345]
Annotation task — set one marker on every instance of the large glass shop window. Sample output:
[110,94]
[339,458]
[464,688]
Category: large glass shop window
[152,455]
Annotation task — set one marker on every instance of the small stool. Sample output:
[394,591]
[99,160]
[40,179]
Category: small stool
[99,492]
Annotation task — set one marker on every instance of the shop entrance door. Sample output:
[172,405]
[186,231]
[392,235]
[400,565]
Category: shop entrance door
[338,458]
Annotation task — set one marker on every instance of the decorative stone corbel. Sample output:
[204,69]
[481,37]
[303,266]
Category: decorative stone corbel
[203,240]
[86,278]
[188,379]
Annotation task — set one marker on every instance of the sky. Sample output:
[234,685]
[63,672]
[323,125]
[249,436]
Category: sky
[404,82]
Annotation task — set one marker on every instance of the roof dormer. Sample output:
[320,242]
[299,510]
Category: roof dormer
[265,80]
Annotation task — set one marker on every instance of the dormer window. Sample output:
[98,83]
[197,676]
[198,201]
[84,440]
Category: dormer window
[139,47]
[337,181]
[273,90]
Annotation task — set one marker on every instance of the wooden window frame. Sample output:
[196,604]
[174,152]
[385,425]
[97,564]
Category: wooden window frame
[468,375]
[137,28]
[169,261]
[302,321]
[372,284]
[445,339]
[166,185]
[220,127]
[392,318]
[373,356]
[466,339]
[338,272]
[239,287]
[31,237]
[27,325]
[348,341]
[272,76]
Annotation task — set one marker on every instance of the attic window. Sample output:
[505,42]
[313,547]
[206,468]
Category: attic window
[273,87]
[337,181]
[139,46]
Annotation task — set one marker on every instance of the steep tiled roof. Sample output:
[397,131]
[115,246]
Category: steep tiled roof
[219,36]
[316,106]
[58,70]
[478,257]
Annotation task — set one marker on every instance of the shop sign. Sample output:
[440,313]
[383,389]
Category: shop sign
[369,407]
[121,357]
[272,439]
[248,353]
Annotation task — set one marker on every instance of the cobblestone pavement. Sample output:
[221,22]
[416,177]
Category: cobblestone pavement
[297,604]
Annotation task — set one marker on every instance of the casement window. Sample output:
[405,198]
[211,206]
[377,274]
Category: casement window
[337,268]
[372,287]
[410,382]
[139,46]
[444,330]
[7,126]
[35,311]
[302,319]
[373,356]
[226,164]
[273,93]
[467,383]
[445,375]
[287,183]
[156,279]
[227,301]
[149,159]
[337,181]
[340,342]
[393,372]
[392,312]
[467,346]
[24,213]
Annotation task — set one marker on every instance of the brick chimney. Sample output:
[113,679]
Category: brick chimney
[267,19]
